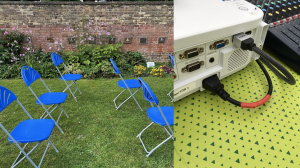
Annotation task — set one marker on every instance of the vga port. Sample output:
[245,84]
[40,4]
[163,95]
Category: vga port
[218,44]
[192,67]
[191,53]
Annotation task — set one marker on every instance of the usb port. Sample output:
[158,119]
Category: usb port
[248,32]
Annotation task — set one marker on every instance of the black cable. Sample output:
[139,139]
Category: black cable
[232,101]
[213,84]
[271,63]
[237,103]
[267,76]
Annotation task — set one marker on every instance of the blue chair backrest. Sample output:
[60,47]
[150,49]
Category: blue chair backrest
[56,59]
[6,97]
[29,75]
[116,69]
[172,60]
[148,93]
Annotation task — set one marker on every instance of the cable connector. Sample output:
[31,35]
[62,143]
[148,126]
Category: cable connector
[214,85]
[244,41]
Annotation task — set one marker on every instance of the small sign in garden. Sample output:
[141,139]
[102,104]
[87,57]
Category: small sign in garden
[127,40]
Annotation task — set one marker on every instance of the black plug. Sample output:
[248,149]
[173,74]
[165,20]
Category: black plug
[214,85]
[244,41]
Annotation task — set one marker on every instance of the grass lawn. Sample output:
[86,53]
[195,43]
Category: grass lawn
[96,135]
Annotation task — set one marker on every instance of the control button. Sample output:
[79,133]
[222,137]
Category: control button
[298,16]
[281,21]
[275,23]
[287,20]
[293,17]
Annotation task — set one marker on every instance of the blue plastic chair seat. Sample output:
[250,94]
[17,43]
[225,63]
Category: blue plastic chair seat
[69,77]
[33,130]
[131,83]
[52,98]
[155,115]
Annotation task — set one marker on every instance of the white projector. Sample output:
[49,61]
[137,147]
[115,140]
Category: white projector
[203,46]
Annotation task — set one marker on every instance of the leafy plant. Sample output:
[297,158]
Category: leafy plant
[10,46]
[134,58]
[139,70]
[167,69]
[157,72]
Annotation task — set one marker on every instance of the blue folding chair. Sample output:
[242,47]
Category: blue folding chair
[50,98]
[67,77]
[27,131]
[163,116]
[126,85]
[172,61]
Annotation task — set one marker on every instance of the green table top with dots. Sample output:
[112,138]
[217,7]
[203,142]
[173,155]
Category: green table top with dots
[210,132]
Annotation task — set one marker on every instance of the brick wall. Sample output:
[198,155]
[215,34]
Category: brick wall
[123,19]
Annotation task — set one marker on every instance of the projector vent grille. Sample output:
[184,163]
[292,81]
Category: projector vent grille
[237,59]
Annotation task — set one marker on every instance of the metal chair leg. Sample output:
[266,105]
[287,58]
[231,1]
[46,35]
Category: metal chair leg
[52,145]
[169,94]
[26,155]
[68,87]
[44,154]
[132,95]
[53,118]
[64,111]
[116,99]
[158,146]
[135,99]
[150,152]
[77,87]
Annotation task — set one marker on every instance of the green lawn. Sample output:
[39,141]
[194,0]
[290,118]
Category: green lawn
[103,138]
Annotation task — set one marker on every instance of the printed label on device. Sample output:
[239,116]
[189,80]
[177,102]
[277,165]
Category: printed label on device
[184,89]
[192,61]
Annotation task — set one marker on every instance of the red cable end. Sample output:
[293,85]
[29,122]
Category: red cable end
[256,104]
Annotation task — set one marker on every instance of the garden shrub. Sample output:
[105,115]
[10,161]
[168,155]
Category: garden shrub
[10,46]
[90,60]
